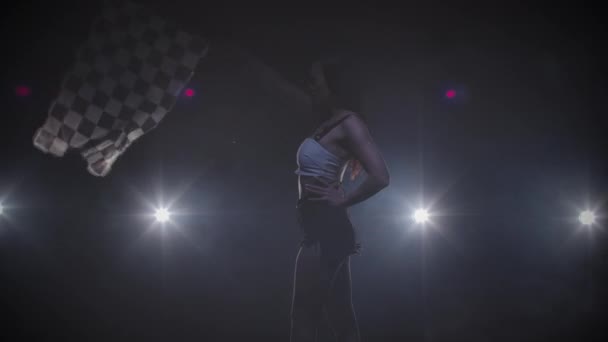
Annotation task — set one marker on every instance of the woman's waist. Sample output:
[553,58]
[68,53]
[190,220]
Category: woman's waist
[309,196]
[316,171]
[315,203]
[319,180]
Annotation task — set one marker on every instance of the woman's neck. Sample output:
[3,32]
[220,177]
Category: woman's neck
[328,113]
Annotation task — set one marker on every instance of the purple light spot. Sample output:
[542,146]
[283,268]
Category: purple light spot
[23,91]
[189,92]
[450,93]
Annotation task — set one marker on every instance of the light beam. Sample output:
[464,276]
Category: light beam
[587,217]
[162,215]
[420,216]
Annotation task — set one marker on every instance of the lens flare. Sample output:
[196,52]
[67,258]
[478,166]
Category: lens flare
[587,217]
[22,91]
[162,215]
[189,92]
[420,216]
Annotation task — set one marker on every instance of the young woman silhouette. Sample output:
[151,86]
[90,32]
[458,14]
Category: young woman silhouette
[322,281]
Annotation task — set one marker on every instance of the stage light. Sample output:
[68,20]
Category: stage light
[450,93]
[162,215]
[1,209]
[587,217]
[421,216]
[22,91]
[189,92]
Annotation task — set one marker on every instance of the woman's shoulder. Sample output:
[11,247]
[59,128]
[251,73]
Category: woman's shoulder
[352,118]
[355,125]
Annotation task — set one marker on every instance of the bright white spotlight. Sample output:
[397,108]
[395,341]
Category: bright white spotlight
[420,215]
[1,209]
[587,217]
[162,215]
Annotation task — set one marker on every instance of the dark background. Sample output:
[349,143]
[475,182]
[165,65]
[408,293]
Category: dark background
[507,165]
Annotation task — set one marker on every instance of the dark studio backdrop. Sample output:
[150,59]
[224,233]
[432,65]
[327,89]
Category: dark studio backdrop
[507,164]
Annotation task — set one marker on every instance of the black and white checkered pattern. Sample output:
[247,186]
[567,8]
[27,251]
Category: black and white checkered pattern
[127,77]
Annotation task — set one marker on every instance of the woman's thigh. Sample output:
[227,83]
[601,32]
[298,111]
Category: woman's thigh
[307,286]
[320,281]
[340,288]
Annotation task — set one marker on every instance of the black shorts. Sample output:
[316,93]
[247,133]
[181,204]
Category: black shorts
[329,226]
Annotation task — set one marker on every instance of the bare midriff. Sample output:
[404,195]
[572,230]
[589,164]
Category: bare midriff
[304,180]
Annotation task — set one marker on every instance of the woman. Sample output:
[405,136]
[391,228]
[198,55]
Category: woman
[322,282]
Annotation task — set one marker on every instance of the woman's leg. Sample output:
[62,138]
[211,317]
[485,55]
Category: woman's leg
[340,311]
[306,301]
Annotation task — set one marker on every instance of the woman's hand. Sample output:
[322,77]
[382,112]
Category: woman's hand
[333,195]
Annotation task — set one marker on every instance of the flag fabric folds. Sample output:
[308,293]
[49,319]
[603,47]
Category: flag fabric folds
[126,79]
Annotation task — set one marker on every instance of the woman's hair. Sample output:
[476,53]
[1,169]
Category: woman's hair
[345,93]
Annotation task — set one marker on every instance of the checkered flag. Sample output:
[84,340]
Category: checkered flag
[127,77]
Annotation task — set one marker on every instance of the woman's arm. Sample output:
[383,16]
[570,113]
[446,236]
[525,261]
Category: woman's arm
[363,148]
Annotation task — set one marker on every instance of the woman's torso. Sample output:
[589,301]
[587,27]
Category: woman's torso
[334,142]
